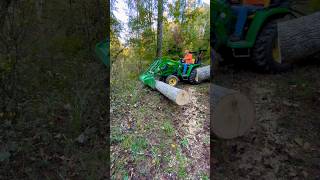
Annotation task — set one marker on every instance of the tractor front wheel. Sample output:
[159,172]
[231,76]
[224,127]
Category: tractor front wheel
[266,51]
[172,80]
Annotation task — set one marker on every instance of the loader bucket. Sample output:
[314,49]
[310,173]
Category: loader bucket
[148,80]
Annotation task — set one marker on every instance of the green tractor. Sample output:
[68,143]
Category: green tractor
[260,41]
[171,71]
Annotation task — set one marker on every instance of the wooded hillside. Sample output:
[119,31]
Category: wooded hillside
[53,103]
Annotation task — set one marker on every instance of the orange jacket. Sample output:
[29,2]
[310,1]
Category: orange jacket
[188,58]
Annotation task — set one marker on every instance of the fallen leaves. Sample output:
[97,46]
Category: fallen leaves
[287,103]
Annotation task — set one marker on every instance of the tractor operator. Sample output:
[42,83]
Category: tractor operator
[242,11]
[187,60]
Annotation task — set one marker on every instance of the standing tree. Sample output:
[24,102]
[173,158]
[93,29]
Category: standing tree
[159,29]
[4,5]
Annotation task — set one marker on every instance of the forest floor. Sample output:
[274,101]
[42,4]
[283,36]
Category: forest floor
[285,140]
[151,137]
[48,130]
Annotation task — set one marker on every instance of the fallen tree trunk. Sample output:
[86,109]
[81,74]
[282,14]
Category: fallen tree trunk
[203,73]
[232,113]
[179,96]
[299,38]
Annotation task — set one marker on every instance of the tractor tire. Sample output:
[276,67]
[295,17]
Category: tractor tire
[172,80]
[266,51]
[192,77]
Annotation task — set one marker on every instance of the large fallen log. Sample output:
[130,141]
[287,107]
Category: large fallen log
[203,73]
[179,96]
[232,113]
[299,38]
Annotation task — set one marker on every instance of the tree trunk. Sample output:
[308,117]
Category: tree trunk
[159,29]
[4,5]
[299,38]
[203,73]
[232,113]
[179,96]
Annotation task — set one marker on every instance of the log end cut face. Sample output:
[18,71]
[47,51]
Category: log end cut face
[182,98]
[179,96]
[233,116]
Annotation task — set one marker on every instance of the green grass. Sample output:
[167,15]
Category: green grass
[182,163]
[204,176]
[116,135]
[127,142]
[138,145]
[207,140]
[168,128]
[184,142]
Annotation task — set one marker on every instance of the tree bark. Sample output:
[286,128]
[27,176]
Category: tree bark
[299,38]
[4,5]
[232,113]
[179,96]
[159,28]
[203,73]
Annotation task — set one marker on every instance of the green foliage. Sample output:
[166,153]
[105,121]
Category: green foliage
[185,26]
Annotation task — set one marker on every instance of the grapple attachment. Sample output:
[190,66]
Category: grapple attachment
[148,77]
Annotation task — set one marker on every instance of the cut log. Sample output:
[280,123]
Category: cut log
[179,96]
[203,73]
[299,38]
[232,113]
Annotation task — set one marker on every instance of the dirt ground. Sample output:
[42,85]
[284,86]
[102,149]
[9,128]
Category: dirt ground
[151,137]
[284,141]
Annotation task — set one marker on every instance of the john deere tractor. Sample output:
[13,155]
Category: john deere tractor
[260,42]
[171,71]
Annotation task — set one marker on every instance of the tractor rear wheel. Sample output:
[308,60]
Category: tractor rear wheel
[193,76]
[266,51]
[172,80]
